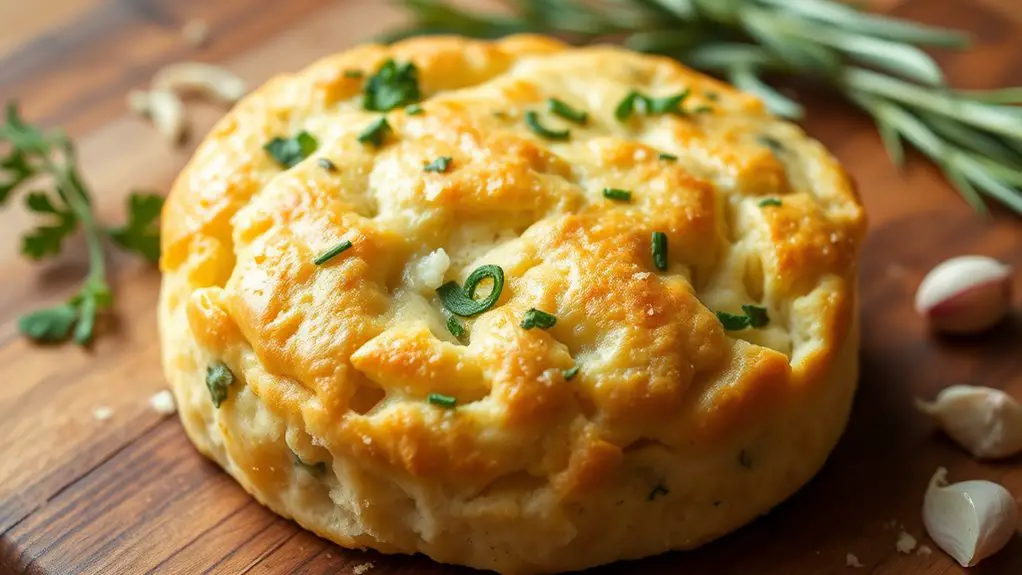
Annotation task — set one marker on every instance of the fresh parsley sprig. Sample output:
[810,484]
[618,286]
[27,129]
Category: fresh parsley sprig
[875,61]
[30,157]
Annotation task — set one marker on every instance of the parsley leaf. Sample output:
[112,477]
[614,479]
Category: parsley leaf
[392,86]
[49,325]
[438,165]
[141,234]
[289,151]
[375,132]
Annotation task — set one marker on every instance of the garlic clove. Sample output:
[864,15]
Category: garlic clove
[204,79]
[987,422]
[967,294]
[168,115]
[970,520]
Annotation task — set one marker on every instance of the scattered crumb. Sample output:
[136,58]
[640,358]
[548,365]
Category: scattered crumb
[163,402]
[360,569]
[924,550]
[853,561]
[906,543]
[195,33]
[640,275]
[102,413]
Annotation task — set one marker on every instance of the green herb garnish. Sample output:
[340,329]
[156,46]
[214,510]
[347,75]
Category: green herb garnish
[637,102]
[219,378]
[461,302]
[327,165]
[375,132]
[702,109]
[353,74]
[392,86]
[770,203]
[712,96]
[668,157]
[454,326]
[658,249]
[47,162]
[532,121]
[414,110]
[438,165]
[657,491]
[617,194]
[331,253]
[559,108]
[442,400]
[571,372]
[754,317]
[776,147]
[538,318]
[289,151]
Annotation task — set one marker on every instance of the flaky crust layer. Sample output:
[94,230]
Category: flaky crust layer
[673,432]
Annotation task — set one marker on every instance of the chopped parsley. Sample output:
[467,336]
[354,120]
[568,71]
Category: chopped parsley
[289,151]
[532,121]
[559,108]
[414,110]
[438,165]
[668,157]
[571,372]
[442,400]
[657,492]
[617,194]
[326,165]
[770,202]
[353,74]
[658,249]
[219,378]
[392,86]
[637,102]
[461,301]
[538,318]
[754,317]
[454,326]
[331,253]
[375,133]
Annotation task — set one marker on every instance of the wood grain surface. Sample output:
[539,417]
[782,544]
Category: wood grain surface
[130,495]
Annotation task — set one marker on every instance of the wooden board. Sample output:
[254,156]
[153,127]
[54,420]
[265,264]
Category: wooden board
[130,495]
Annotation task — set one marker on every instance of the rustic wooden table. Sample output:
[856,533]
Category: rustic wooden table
[130,495]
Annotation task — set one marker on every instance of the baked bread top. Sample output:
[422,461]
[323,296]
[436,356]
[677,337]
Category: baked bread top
[480,173]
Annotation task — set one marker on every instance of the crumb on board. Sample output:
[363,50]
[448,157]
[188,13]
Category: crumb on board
[924,550]
[853,561]
[363,568]
[906,543]
[163,402]
[195,33]
[102,413]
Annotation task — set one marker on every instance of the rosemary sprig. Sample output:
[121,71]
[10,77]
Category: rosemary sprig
[33,156]
[875,61]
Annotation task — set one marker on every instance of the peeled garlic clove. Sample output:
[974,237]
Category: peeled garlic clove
[200,78]
[970,520]
[985,421]
[967,294]
[168,115]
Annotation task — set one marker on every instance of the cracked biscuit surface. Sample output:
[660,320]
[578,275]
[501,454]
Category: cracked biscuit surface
[672,430]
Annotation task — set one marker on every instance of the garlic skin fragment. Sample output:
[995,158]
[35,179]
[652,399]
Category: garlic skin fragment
[985,421]
[970,520]
[965,295]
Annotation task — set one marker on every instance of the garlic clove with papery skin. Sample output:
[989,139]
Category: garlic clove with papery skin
[966,294]
[970,520]
[985,421]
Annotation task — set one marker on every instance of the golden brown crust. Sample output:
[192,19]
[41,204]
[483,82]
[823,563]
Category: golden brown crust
[336,361]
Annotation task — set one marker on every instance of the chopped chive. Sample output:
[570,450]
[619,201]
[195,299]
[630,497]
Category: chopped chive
[617,194]
[626,106]
[532,121]
[571,372]
[460,301]
[538,318]
[668,157]
[392,86]
[326,165]
[559,108]
[289,151]
[732,322]
[438,165]
[636,101]
[219,378]
[375,132]
[331,253]
[757,315]
[658,248]
[657,491]
[770,202]
[442,400]
[454,326]
[353,74]
[414,110]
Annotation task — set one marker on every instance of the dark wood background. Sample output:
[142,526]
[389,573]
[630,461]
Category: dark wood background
[130,495]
